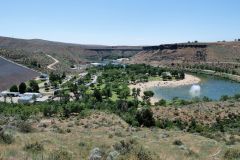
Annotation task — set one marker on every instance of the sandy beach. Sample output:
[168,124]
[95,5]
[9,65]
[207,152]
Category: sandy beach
[188,80]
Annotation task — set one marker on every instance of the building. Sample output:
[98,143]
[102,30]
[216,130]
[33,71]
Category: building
[25,99]
[9,94]
[37,95]
[43,77]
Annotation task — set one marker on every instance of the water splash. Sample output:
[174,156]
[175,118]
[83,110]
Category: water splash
[195,91]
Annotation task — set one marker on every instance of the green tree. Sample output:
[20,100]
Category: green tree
[34,86]
[64,75]
[162,102]
[22,88]
[148,95]
[145,117]
[14,88]
[98,95]
[107,90]
[134,93]
[124,93]
[138,91]
[75,89]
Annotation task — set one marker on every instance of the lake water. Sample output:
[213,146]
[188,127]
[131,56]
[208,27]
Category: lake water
[210,86]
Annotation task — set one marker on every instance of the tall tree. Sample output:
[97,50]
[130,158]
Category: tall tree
[22,88]
[97,94]
[138,91]
[148,95]
[34,86]
[134,93]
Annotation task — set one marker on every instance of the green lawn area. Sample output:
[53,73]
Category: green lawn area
[114,96]
[155,78]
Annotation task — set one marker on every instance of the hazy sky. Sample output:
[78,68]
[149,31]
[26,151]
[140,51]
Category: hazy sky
[121,22]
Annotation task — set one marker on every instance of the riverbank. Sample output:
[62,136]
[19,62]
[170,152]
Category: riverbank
[228,76]
[188,80]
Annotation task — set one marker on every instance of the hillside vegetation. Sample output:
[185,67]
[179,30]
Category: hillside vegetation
[28,51]
[220,57]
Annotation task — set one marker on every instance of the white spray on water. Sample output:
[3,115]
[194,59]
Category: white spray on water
[195,90]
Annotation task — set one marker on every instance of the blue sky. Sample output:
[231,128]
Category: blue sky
[121,22]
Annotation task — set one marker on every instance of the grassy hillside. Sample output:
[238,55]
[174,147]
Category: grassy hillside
[76,137]
[36,50]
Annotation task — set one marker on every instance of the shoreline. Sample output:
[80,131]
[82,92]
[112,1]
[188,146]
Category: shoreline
[188,80]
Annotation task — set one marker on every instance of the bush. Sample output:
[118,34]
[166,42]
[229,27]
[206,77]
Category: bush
[162,102]
[145,117]
[142,154]
[57,129]
[14,88]
[232,154]
[224,98]
[6,137]
[164,123]
[178,142]
[34,147]
[24,127]
[124,147]
[60,155]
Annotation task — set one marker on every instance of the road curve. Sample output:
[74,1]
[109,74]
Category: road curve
[53,64]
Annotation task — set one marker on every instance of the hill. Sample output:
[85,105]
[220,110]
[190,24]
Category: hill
[34,51]
[222,57]
[191,52]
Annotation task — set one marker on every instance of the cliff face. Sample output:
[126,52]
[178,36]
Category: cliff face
[175,46]
[228,52]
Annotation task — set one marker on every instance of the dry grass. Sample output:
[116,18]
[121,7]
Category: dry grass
[103,131]
[205,113]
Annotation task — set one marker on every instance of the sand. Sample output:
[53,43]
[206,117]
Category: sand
[188,80]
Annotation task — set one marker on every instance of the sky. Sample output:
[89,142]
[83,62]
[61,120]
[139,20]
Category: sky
[121,22]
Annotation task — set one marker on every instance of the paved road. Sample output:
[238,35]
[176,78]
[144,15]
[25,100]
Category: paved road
[53,64]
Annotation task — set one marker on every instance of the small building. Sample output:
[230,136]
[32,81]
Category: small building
[43,77]
[37,95]
[122,59]
[97,64]
[25,99]
[42,99]
[9,94]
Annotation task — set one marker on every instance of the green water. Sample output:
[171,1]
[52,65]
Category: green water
[211,87]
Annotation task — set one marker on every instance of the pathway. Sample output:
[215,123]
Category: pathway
[53,64]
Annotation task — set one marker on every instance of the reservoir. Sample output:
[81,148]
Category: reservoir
[210,86]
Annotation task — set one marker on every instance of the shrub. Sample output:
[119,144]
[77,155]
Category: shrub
[24,127]
[162,102]
[178,142]
[142,154]
[57,129]
[82,144]
[34,147]
[164,123]
[145,117]
[232,154]
[6,137]
[60,155]
[224,98]
[14,88]
[124,147]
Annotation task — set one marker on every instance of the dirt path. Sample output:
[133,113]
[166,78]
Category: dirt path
[218,151]
[53,64]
